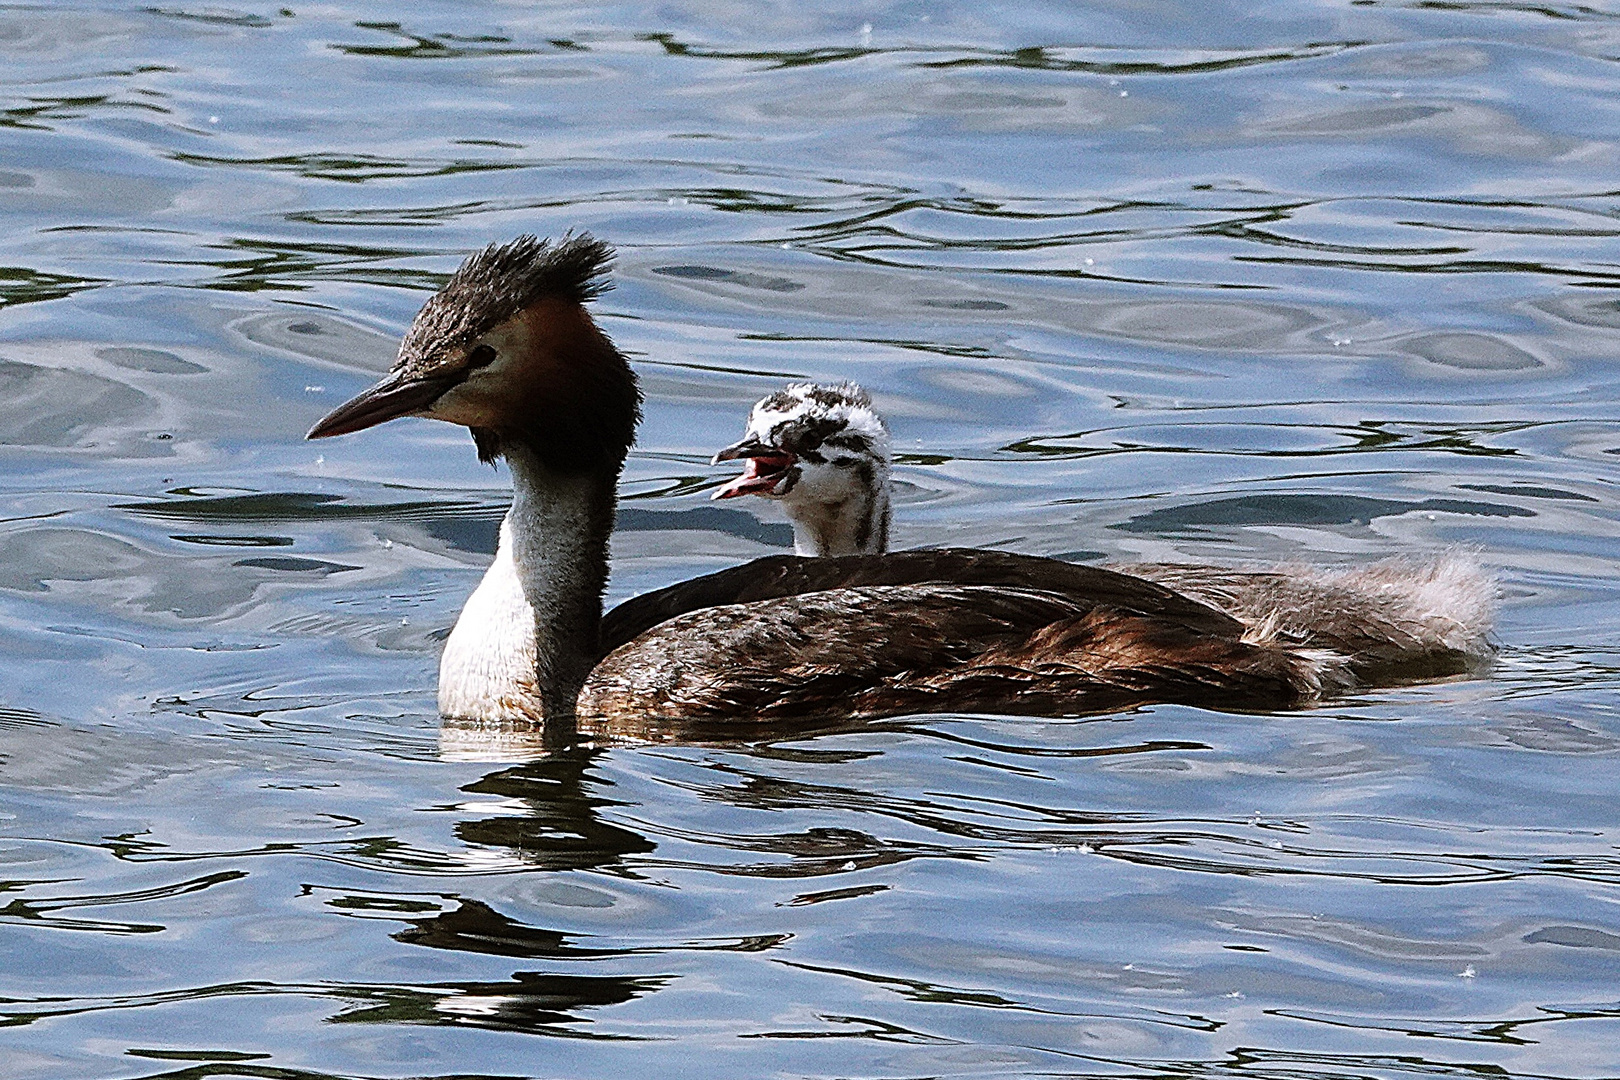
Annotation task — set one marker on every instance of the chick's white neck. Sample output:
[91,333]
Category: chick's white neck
[856,525]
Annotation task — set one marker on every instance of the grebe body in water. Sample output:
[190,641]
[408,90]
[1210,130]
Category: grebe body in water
[822,451]
[508,350]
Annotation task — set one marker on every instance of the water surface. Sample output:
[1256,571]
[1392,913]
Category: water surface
[1309,281]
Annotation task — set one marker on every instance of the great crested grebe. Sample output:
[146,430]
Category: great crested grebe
[822,451]
[507,349]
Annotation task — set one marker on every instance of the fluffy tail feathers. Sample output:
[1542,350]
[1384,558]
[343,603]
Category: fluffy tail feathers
[1388,621]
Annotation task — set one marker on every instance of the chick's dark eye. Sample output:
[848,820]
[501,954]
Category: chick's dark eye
[480,356]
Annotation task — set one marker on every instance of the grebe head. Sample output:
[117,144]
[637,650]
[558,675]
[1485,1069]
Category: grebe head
[507,349]
[823,451]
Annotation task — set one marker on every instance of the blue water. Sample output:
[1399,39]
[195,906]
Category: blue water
[1310,281]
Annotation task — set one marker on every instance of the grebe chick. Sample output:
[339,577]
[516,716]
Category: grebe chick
[507,349]
[823,452]
[1394,619]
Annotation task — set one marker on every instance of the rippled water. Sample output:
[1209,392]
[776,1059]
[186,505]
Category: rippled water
[1310,281]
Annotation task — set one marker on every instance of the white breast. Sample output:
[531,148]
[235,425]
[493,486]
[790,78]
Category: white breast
[487,671]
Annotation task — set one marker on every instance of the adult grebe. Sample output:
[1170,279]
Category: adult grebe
[822,451]
[507,349]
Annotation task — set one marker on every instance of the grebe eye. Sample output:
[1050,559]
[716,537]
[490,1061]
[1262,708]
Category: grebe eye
[480,357]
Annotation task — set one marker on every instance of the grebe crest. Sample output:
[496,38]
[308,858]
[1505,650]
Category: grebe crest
[823,451]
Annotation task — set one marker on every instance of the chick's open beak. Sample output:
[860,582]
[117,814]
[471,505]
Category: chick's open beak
[395,395]
[765,467]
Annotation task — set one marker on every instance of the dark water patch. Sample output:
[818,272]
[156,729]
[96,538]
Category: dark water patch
[289,565]
[1510,1030]
[1530,491]
[474,926]
[730,277]
[790,58]
[157,361]
[1275,440]
[442,46]
[531,1002]
[216,17]
[345,168]
[565,827]
[478,532]
[293,506]
[1471,352]
[58,408]
[1365,118]
[705,519]
[22,285]
[233,541]
[44,912]
[1575,937]
[1550,270]
[214,1056]
[1302,509]
[967,305]
[1598,311]
[1080,555]
[1139,61]
[1571,12]
[36,114]
[1017,750]
[252,265]
[318,335]
[823,896]
[1236,324]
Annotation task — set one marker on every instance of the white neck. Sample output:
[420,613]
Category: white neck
[560,524]
[855,526]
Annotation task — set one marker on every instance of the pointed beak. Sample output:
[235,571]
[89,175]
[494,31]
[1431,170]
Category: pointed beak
[765,469]
[395,395]
[749,447]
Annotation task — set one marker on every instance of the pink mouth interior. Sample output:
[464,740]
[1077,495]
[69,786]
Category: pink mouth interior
[760,476]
